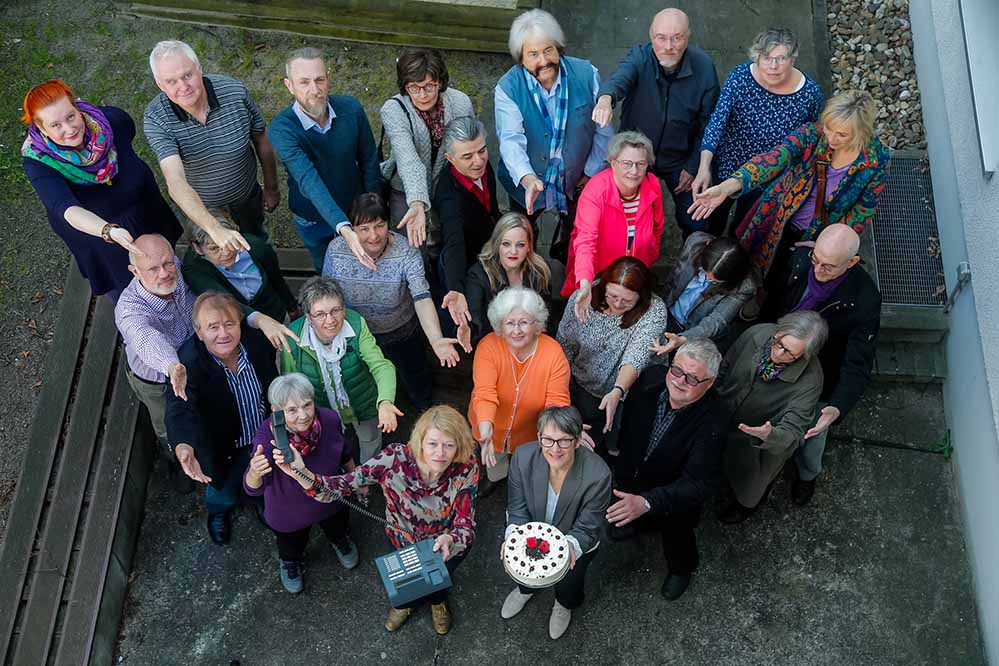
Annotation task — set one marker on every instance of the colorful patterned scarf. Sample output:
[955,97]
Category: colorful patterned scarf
[433,118]
[767,369]
[95,162]
[555,173]
[306,442]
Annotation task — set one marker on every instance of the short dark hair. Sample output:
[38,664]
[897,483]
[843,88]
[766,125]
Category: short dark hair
[368,207]
[415,64]
[726,259]
[567,419]
[629,273]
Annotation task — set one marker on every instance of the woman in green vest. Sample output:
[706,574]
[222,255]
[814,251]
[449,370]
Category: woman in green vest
[339,355]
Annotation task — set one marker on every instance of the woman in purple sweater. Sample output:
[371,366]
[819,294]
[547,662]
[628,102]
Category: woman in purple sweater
[316,434]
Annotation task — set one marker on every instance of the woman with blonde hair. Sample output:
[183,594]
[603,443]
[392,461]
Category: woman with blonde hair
[829,172]
[508,259]
[429,485]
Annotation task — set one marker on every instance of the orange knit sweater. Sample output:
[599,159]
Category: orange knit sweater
[545,384]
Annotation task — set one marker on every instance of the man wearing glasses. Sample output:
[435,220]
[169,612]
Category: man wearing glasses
[668,88]
[829,280]
[672,439]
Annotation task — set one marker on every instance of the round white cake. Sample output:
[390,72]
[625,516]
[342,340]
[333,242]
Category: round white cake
[536,555]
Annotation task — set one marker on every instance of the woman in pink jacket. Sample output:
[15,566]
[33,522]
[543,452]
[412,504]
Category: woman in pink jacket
[620,213]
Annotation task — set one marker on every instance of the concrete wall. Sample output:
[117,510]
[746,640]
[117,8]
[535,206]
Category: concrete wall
[967,203]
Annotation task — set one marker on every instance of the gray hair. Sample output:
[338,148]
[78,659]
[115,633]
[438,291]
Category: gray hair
[566,419]
[807,326]
[305,53]
[462,128]
[534,23]
[293,386]
[316,289]
[516,297]
[171,47]
[770,39]
[702,350]
[199,236]
[637,140]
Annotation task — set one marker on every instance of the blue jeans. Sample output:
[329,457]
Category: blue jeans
[221,500]
[317,237]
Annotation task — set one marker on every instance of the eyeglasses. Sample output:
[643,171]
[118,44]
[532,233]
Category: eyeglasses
[562,443]
[691,380]
[628,165]
[671,39]
[429,89]
[322,316]
[784,350]
[825,267]
[774,60]
[522,323]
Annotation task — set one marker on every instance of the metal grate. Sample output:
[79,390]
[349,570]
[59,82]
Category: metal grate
[905,238]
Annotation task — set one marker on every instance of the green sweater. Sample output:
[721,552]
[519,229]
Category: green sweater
[368,377]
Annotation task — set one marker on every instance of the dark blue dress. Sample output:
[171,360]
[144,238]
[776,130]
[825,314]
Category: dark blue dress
[132,201]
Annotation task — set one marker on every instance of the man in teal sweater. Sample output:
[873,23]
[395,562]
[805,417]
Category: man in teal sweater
[328,149]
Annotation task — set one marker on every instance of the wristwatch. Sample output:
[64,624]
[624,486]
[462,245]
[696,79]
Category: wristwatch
[106,232]
[648,507]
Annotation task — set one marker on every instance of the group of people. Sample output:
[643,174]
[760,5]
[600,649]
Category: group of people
[626,415]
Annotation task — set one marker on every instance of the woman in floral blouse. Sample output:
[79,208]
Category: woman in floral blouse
[839,157]
[429,486]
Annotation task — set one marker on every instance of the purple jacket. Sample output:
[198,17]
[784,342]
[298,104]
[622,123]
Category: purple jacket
[286,506]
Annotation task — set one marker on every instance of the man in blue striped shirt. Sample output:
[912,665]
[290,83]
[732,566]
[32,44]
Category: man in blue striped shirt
[229,367]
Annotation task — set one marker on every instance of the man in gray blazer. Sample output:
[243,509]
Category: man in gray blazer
[556,481]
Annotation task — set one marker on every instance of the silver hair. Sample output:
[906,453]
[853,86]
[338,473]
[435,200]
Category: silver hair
[534,23]
[623,140]
[462,128]
[770,39]
[199,236]
[305,53]
[293,386]
[168,48]
[516,297]
[704,351]
[807,326]
[316,289]
[566,419]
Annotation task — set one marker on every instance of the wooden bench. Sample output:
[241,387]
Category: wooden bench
[74,522]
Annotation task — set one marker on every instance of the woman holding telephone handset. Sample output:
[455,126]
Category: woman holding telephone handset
[429,485]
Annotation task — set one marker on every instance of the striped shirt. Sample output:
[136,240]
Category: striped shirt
[630,215]
[219,161]
[245,387]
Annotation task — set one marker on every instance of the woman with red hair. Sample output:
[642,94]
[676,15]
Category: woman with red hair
[609,347]
[98,194]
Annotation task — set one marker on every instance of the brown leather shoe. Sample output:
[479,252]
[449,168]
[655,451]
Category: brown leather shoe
[397,617]
[441,617]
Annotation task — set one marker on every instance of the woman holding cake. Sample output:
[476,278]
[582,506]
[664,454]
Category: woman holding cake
[555,481]
[429,486]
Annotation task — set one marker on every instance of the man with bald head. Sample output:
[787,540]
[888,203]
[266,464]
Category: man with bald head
[153,316]
[828,279]
[668,88]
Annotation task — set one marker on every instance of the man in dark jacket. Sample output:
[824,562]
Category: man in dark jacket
[829,280]
[672,438]
[669,88]
[211,426]
[465,200]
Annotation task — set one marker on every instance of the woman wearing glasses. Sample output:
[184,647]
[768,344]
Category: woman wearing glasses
[338,353]
[414,123]
[761,102]
[517,372]
[620,213]
[772,384]
[557,481]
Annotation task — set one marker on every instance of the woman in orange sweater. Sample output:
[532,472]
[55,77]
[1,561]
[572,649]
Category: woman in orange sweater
[517,372]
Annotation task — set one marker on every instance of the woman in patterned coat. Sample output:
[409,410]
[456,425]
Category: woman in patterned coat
[838,155]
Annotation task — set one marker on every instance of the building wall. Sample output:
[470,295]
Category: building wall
[967,206]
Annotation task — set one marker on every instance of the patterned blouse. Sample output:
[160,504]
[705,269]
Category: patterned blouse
[413,508]
[749,119]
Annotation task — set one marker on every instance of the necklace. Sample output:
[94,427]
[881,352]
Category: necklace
[516,389]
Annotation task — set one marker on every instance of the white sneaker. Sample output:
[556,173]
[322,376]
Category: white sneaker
[559,621]
[514,603]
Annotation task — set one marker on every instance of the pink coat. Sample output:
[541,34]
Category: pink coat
[600,234]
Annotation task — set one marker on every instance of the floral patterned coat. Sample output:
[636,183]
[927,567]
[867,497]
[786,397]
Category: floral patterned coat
[788,173]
